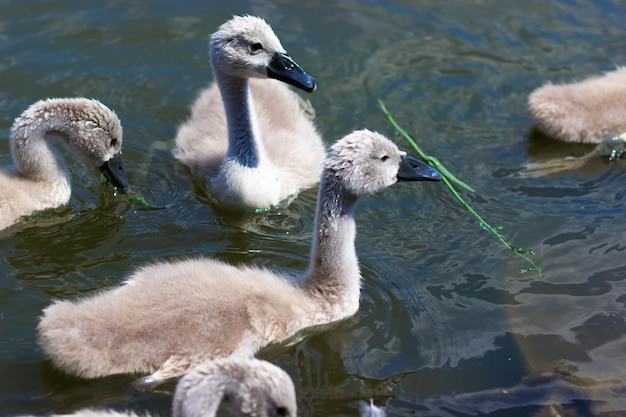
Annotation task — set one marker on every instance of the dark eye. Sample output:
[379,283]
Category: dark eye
[113,142]
[255,47]
[384,158]
[282,412]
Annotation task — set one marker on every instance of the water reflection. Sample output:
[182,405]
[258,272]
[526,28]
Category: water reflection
[553,158]
[447,322]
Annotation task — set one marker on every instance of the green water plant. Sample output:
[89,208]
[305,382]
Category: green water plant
[450,181]
[138,200]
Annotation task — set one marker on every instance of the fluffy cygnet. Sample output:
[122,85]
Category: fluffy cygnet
[170,316]
[40,180]
[588,111]
[249,134]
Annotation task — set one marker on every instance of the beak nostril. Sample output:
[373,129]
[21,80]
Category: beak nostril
[283,68]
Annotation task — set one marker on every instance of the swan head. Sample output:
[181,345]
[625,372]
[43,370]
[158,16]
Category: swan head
[248,387]
[247,47]
[89,128]
[96,136]
[366,162]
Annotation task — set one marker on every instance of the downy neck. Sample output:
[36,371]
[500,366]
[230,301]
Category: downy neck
[244,144]
[33,154]
[333,276]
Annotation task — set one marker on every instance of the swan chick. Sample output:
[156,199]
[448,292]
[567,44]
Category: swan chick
[589,111]
[170,316]
[251,388]
[40,179]
[248,132]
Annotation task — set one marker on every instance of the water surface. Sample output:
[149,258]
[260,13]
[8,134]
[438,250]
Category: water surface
[448,326]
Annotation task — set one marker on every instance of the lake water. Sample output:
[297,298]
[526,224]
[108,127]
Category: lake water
[448,325]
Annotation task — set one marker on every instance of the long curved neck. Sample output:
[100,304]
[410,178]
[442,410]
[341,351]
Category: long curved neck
[333,274]
[32,152]
[244,145]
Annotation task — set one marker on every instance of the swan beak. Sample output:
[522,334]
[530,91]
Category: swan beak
[113,170]
[412,169]
[283,68]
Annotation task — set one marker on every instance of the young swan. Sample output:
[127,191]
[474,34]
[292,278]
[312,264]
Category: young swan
[40,179]
[249,134]
[170,316]
[249,388]
[589,111]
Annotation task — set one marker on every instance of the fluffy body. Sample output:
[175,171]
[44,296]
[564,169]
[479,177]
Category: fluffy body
[250,135]
[170,316]
[589,111]
[40,179]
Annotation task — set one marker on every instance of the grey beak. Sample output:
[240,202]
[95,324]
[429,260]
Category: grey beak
[412,169]
[113,170]
[283,68]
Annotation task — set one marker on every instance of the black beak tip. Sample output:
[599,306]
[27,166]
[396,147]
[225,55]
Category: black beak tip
[431,175]
[412,169]
[113,170]
[283,68]
[436,176]
[124,187]
[311,86]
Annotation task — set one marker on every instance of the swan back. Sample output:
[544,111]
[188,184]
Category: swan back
[250,388]
[589,111]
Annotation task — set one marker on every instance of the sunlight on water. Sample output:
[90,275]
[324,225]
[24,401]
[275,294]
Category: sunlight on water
[451,323]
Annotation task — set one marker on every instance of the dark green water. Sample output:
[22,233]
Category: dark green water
[447,321]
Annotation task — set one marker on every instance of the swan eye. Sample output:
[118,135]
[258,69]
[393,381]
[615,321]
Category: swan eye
[384,158]
[113,142]
[282,412]
[256,47]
